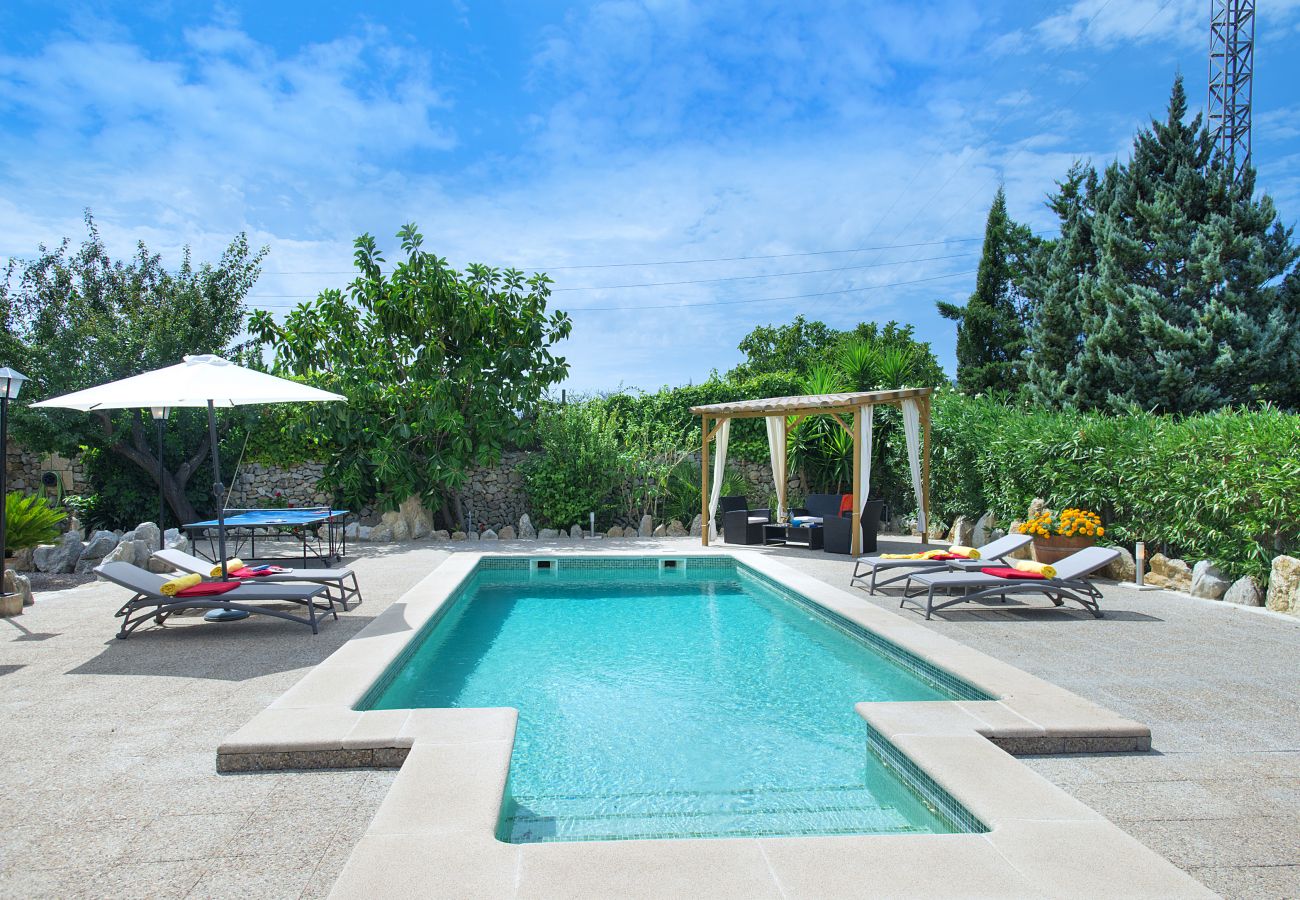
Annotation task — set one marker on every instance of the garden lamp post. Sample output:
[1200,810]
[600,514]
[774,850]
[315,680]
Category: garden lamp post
[11,383]
[160,414]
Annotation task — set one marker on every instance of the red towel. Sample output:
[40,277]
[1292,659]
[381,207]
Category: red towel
[246,572]
[1008,572]
[947,556]
[207,588]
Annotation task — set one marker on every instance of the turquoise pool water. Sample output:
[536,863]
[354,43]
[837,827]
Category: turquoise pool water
[696,702]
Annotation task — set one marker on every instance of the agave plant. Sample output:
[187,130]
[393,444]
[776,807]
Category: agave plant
[30,521]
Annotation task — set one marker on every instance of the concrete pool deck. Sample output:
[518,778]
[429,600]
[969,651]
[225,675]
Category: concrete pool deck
[110,788]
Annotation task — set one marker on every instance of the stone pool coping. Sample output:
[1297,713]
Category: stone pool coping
[435,830]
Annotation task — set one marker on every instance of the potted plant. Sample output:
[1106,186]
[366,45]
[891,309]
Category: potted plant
[29,522]
[1056,538]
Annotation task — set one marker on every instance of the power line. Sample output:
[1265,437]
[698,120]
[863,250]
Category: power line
[874,287]
[685,262]
[647,284]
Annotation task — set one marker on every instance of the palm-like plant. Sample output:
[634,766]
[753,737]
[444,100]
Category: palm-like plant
[30,521]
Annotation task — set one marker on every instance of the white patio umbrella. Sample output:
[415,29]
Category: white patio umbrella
[204,380]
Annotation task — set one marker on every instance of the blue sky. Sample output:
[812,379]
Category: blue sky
[571,135]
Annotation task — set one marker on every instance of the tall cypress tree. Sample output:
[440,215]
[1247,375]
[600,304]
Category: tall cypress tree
[1175,303]
[992,328]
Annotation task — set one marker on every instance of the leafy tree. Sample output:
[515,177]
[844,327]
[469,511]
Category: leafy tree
[784,348]
[992,328]
[75,319]
[802,345]
[441,370]
[1186,309]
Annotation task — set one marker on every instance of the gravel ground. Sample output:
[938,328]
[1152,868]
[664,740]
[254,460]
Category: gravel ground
[109,786]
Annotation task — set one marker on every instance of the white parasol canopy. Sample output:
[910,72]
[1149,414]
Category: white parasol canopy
[203,380]
[197,381]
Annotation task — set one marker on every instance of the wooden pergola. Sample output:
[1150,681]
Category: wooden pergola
[794,409]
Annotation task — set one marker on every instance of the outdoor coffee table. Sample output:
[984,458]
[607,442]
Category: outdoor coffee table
[794,536]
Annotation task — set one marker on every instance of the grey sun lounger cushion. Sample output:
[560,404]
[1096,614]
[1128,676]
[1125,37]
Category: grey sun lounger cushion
[343,581]
[1071,583]
[150,602]
[868,567]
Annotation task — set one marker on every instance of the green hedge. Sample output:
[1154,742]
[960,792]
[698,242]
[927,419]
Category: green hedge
[1223,486]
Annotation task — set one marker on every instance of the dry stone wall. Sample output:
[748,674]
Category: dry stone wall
[24,470]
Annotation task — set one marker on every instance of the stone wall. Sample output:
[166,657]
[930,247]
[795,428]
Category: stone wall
[24,470]
[494,495]
[259,484]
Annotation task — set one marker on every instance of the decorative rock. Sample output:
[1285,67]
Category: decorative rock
[1037,507]
[962,531]
[11,605]
[126,536]
[23,560]
[629,531]
[381,532]
[1208,581]
[696,526]
[364,532]
[1284,586]
[935,531]
[1173,574]
[60,557]
[547,534]
[1122,567]
[100,545]
[401,529]
[647,528]
[458,535]
[1245,592]
[507,533]
[157,565]
[676,529]
[488,535]
[983,530]
[441,534]
[415,517]
[576,532]
[19,585]
[149,533]
[661,530]
[123,552]
[352,530]
[471,536]
[614,532]
[526,529]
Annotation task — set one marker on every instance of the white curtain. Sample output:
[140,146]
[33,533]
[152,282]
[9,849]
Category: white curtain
[912,431]
[776,452]
[865,417]
[719,464]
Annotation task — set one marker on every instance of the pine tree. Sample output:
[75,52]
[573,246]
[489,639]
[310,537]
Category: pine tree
[1170,295]
[992,328]
[1059,271]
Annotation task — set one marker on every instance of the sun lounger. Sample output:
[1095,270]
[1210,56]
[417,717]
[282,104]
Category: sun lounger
[991,554]
[341,582]
[1071,583]
[150,602]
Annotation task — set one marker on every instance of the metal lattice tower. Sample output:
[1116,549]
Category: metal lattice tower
[1232,64]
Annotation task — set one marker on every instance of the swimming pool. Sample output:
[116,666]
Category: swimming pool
[663,698]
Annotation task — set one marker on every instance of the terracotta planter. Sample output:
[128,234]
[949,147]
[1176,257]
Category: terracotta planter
[1057,547]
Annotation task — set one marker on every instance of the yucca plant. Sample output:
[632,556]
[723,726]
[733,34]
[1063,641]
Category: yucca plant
[30,521]
[682,501]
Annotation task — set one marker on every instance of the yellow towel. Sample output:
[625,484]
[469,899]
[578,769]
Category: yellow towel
[231,565]
[968,552]
[171,588]
[1028,565]
[928,554]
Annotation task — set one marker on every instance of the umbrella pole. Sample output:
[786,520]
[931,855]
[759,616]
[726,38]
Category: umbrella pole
[219,494]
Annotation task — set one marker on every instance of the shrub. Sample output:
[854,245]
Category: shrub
[1223,486]
[579,467]
[29,521]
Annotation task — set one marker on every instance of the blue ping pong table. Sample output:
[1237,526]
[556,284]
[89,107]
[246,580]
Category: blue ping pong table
[320,529]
